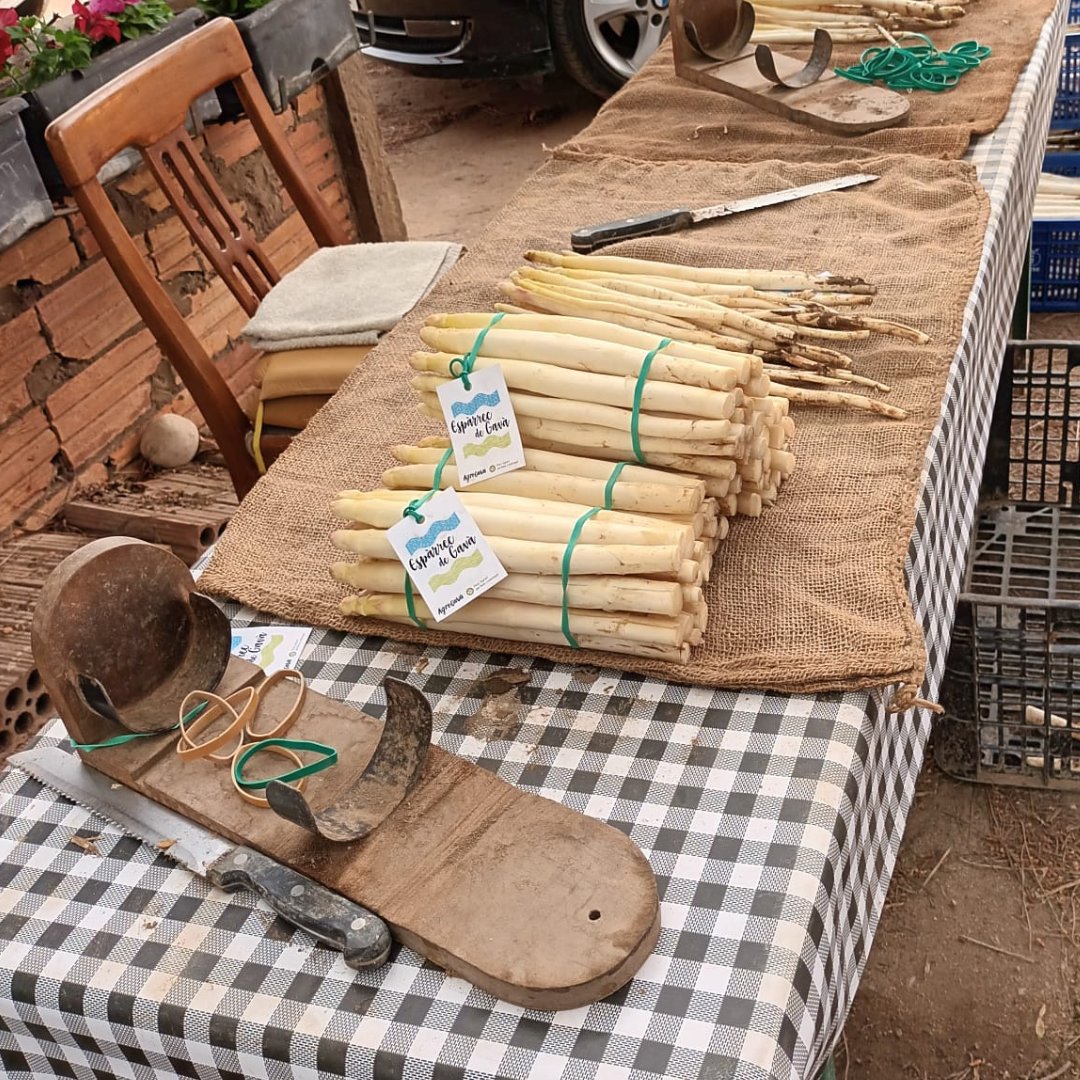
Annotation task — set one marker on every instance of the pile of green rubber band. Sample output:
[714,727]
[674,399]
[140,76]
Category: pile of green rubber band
[916,67]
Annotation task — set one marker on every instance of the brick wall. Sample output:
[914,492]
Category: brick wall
[79,373]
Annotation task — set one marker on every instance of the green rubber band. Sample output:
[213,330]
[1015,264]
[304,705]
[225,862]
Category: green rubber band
[120,740]
[330,757]
[575,534]
[609,487]
[461,366]
[410,603]
[413,511]
[639,389]
[413,508]
[916,67]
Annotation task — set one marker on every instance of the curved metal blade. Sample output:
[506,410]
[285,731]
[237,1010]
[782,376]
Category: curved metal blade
[718,29]
[814,69]
[385,781]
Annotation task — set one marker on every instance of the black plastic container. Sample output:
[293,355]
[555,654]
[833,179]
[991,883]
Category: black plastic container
[24,202]
[1012,690]
[53,99]
[292,44]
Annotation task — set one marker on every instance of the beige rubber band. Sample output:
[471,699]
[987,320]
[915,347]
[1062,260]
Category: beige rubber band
[260,800]
[188,749]
[287,674]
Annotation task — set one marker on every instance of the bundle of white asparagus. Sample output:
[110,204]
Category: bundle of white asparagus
[793,22]
[795,322]
[635,575]
[1057,198]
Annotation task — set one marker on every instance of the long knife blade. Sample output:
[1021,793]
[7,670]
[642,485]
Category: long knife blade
[774,198]
[330,918]
[668,221]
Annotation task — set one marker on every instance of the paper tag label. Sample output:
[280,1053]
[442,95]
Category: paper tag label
[483,428]
[446,555]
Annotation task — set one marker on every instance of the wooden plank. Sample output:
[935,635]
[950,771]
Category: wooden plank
[541,906]
[354,124]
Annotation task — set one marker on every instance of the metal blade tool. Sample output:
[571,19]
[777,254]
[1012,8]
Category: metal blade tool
[668,221]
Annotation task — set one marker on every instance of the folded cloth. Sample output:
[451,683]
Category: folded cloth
[291,412]
[348,295]
[306,371]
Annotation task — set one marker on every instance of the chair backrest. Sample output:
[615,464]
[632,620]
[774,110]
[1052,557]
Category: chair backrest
[147,107]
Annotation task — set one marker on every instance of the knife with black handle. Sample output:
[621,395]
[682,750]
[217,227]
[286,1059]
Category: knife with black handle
[360,935]
[662,222]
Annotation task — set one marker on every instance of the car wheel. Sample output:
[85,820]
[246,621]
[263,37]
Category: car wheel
[601,43]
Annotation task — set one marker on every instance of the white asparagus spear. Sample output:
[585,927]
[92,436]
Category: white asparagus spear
[535,557]
[505,632]
[659,397]
[585,354]
[778,280]
[569,307]
[670,632]
[709,316]
[836,400]
[588,412]
[515,524]
[741,362]
[596,593]
[635,497]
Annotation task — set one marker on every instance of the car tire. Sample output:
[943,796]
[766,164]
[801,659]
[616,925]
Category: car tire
[576,54]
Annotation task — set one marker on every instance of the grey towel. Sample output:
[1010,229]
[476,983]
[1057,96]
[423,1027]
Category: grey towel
[348,295]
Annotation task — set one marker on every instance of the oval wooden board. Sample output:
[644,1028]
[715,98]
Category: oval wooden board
[538,905]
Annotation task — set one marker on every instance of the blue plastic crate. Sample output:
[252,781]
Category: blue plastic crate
[1055,266]
[1066,116]
[1074,12]
[1062,164]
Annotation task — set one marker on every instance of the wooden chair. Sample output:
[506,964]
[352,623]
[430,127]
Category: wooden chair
[147,107]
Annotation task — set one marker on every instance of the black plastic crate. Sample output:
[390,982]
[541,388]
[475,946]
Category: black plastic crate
[1012,690]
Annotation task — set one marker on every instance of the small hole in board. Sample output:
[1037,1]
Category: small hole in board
[14,696]
[33,681]
[43,705]
[594,915]
[207,536]
[23,722]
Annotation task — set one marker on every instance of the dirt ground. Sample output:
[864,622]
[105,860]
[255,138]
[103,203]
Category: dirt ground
[974,973]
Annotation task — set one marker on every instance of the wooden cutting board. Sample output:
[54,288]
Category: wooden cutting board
[536,904]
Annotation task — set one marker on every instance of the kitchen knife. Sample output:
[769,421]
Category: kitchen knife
[361,936]
[669,221]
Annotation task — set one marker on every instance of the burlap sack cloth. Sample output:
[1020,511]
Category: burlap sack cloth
[811,595]
[689,122]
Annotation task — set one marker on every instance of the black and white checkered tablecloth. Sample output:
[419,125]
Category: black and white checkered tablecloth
[772,824]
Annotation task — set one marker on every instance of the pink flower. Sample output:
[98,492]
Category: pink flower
[7,18]
[94,24]
[107,7]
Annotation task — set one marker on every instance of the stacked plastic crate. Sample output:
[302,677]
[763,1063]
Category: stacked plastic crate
[1055,245]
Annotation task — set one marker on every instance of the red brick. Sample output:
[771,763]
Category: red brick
[87,313]
[27,446]
[92,440]
[31,485]
[238,367]
[289,244]
[172,249]
[216,318]
[24,443]
[92,396]
[309,101]
[141,184]
[93,476]
[13,398]
[340,207]
[127,449]
[231,143]
[44,255]
[22,345]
